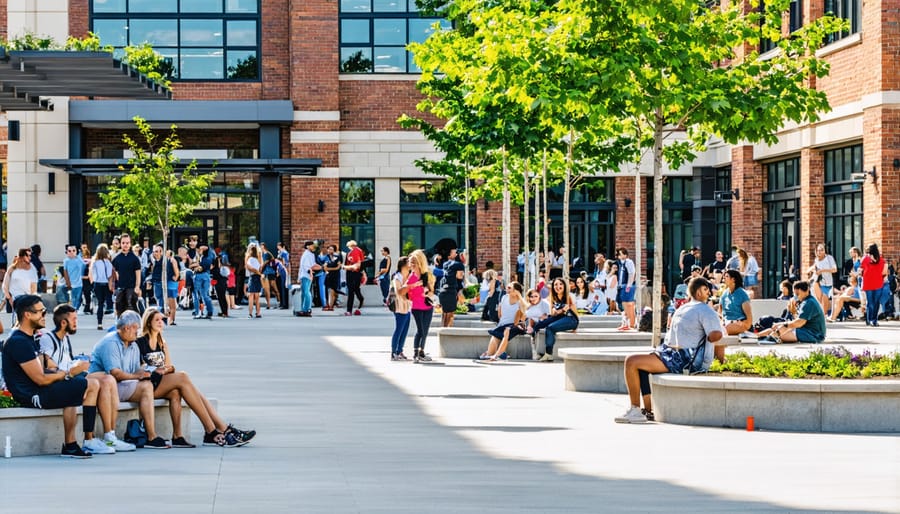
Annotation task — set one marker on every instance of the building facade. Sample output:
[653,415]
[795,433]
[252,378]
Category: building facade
[296,105]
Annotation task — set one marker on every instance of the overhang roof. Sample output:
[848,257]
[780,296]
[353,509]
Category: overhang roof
[29,76]
[109,167]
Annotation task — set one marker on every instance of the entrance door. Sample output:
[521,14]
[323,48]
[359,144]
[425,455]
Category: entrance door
[206,232]
[781,251]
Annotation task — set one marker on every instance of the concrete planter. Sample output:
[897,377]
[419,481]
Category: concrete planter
[847,406]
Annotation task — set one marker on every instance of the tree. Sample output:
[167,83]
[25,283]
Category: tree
[357,63]
[154,191]
[244,68]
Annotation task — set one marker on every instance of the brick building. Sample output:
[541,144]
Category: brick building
[297,102]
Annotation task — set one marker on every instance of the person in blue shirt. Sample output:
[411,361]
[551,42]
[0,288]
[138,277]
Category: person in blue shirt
[202,283]
[735,308]
[809,326]
[73,271]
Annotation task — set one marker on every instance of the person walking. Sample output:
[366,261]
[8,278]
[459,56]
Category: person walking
[421,288]
[401,309]
[202,283]
[353,267]
[221,272]
[101,272]
[253,266]
[874,273]
[308,266]
[384,269]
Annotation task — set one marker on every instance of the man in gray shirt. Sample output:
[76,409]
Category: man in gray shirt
[695,327]
[117,355]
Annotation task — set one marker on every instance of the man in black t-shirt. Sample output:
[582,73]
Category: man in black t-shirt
[454,272]
[32,385]
[127,278]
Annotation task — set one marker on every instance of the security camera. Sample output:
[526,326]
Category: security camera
[859,176]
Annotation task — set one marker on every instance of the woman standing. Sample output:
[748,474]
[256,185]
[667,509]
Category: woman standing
[421,287]
[253,267]
[168,383]
[353,267]
[101,271]
[401,309]
[749,269]
[172,275]
[220,273]
[563,316]
[874,273]
[612,286]
[86,279]
[512,313]
[384,269]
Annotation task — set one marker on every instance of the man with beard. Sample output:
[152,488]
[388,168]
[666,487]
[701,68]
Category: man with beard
[57,350]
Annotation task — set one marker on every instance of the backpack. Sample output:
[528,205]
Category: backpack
[135,433]
[681,295]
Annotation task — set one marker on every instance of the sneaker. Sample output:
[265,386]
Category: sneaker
[243,436]
[747,335]
[401,357]
[181,442]
[98,447]
[394,357]
[547,357]
[357,312]
[769,340]
[216,438]
[348,314]
[484,357]
[503,356]
[632,415]
[157,444]
[119,445]
[73,451]
[648,414]
[423,357]
[99,327]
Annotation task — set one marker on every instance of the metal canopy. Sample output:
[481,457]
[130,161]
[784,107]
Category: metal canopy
[110,167]
[28,75]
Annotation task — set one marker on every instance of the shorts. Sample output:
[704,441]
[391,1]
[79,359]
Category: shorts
[826,290]
[674,360]
[171,290]
[255,284]
[448,301]
[65,393]
[231,290]
[805,336]
[626,297]
[514,331]
[126,389]
[750,280]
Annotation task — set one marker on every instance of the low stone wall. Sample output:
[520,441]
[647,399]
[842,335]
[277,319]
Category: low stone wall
[469,343]
[596,370]
[40,432]
[585,322]
[847,406]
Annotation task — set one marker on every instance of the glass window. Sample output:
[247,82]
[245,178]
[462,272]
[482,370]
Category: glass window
[241,6]
[796,16]
[357,191]
[241,33]
[389,6]
[112,32]
[420,29]
[357,216]
[155,32]
[356,6]
[390,31]
[850,10]
[355,31]
[202,63]
[201,32]
[109,5]
[390,59]
[201,5]
[356,59]
[242,64]
[153,5]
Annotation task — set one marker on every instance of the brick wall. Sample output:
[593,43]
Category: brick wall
[78,18]
[489,227]
[328,152]
[881,200]
[376,104]
[624,236]
[313,39]
[747,214]
[307,222]
[812,204]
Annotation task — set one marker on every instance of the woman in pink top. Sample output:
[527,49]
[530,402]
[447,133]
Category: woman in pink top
[874,270]
[421,286]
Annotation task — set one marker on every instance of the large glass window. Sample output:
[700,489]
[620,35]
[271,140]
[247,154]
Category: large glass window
[850,10]
[203,39]
[678,227]
[357,217]
[781,230]
[431,210]
[374,35]
[843,202]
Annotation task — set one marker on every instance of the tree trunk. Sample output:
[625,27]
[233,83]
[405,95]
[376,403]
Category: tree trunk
[537,231]
[566,193]
[506,224]
[526,282]
[466,223]
[657,225]
[546,220]
[638,252]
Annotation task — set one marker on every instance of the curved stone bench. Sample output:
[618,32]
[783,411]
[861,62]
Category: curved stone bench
[40,431]
[591,338]
[596,370]
[812,405]
[585,322]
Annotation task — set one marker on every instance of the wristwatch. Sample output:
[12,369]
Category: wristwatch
[67,377]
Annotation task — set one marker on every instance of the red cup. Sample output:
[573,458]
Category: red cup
[750,424]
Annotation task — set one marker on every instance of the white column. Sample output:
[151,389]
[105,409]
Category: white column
[387,216]
[39,17]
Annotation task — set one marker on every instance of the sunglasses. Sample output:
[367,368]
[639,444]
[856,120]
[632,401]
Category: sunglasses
[42,312]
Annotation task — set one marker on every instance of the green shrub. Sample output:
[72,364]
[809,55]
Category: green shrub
[833,363]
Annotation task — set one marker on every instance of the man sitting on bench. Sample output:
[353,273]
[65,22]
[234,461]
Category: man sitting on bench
[807,327]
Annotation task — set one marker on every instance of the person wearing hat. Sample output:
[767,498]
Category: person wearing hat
[353,267]
[308,265]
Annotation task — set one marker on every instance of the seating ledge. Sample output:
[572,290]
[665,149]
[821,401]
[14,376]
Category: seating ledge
[29,412]
[776,384]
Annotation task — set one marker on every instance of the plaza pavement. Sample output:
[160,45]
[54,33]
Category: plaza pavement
[343,429]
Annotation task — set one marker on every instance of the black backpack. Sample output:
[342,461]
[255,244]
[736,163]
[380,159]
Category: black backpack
[135,433]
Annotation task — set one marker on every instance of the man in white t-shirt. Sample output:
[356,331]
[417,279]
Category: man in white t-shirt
[308,264]
[823,269]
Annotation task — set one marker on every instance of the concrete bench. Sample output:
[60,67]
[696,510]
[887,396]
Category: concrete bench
[469,343]
[40,432]
[810,405]
[767,307]
[584,322]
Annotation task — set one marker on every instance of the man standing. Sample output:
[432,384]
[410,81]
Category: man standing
[127,278]
[202,284]
[599,263]
[73,273]
[307,266]
[33,385]
[695,328]
[353,267]
[626,288]
[57,348]
[117,355]
[451,285]
[284,255]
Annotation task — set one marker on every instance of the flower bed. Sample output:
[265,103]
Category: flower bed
[838,362]
[6,400]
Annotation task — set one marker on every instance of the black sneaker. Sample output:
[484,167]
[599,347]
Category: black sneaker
[243,436]
[422,357]
[157,444]
[181,442]
[209,439]
[226,440]
[73,451]
[648,414]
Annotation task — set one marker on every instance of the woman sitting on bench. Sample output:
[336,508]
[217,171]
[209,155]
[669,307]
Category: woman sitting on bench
[511,310]
[849,297]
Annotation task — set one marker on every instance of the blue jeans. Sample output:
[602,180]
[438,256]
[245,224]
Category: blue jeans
[385,284]
[201,292]
[305,294]
[401,329]
[323,297]
[423,323]
[874,299]
[561,325]
[75,295]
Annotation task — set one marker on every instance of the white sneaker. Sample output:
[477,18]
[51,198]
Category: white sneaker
[98,447]
[548,357]
[119,445]
[632,415]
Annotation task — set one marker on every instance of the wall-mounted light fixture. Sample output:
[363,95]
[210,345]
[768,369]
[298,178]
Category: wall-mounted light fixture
[861,176]
[51,183]
[897,164]
[722,196]
[321,205]
[628,202]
